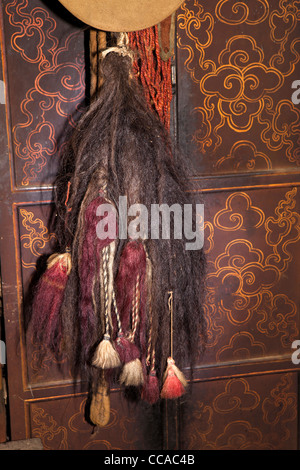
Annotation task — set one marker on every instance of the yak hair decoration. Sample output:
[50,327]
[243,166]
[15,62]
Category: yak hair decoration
[48,298]
[112,303]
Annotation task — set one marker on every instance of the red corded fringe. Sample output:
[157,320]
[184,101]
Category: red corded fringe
[153,72]
[132,264]
[47,302]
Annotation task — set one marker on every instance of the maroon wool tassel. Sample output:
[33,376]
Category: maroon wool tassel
[131,272]
[174,381]
[48,299]
[127,350]
[132,264]
[150,391]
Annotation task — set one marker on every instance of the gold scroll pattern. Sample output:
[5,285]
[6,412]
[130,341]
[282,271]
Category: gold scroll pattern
[52,435]
[55,86]
[35,238]
[250,310]
[254,413]
[240,58]
[71,430]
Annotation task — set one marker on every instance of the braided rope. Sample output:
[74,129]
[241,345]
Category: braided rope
[117,312]
[105,282]
[170,306]
[135,309]
[148,358]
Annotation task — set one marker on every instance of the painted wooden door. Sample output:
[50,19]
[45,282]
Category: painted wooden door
[236,65]
[236,120]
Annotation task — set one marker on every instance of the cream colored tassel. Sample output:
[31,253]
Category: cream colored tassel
[106,357]
[132,374]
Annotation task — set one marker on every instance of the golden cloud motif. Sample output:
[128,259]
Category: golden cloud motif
[58,87]
[199,22]
[237,396]
[281,406]
[280,131]
[237,12]
[238,280]
[239,213]
[240,91]
[283,230]
[244,156]
[198,26]
[204,415]
[241,435]
[34,40]
[36,236]
[278,318]
[241,346]
[46,428]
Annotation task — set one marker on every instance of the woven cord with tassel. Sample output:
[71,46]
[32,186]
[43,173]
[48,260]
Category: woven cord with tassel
[126,349]
[106,356]
[174,382]
[132,373]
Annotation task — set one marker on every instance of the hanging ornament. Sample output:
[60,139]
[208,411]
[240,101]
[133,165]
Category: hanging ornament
[48,299]
[100,405]
[132,373]
[106,356]
[113,313]
[174,382]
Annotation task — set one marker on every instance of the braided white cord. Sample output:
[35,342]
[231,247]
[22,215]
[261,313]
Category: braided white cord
[105,282]
[135,309]
[117,312]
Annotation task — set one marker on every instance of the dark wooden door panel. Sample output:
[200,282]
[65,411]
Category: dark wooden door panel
[245,413]
[252,240]
[60,422]
[44,49]
[236,62]
[236,65]
[44,74]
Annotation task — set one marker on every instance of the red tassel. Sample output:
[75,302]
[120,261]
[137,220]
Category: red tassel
[150,391]
[48,299]
[172,387]
[174,381]
[127,350]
